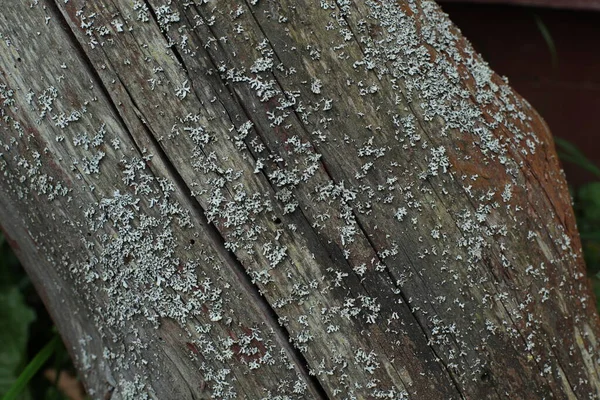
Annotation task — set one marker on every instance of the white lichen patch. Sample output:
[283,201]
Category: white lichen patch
[137,254]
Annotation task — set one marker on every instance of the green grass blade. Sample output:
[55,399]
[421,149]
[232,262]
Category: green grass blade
[32,368]
[569,152]
[580,162]
[567,146]
[547,38]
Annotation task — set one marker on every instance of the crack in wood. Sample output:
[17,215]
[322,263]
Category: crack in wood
[269,314]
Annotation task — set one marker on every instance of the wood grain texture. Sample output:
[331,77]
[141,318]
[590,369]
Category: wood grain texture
[288,199]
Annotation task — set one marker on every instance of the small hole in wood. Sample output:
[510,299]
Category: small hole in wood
[192,241]
[485,376]
[277,220]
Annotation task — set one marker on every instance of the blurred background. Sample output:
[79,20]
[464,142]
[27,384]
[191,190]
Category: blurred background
[550,52]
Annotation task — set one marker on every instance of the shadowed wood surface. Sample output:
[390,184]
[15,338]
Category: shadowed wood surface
[288,200]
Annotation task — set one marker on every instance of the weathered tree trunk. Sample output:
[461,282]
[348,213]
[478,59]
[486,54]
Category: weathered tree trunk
[288,200]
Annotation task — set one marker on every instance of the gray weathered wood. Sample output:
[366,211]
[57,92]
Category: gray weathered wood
[288,199]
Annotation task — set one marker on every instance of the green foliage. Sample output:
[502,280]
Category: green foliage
[15,318]
[21,331]
[31,369]
[587,210]
[586,200]
[596,289]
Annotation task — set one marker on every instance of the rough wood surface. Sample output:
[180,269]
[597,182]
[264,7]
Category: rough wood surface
[288,200]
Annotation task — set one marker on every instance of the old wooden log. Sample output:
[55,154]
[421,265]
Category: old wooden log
[288,200]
